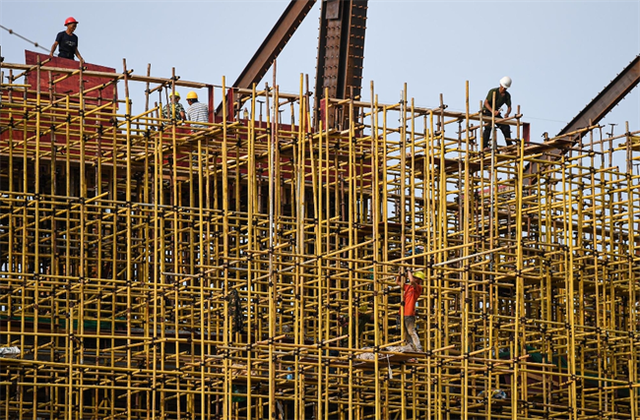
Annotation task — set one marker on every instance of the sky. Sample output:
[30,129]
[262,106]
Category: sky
[560,54]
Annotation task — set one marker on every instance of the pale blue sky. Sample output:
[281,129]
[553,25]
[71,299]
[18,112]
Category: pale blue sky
[560,54]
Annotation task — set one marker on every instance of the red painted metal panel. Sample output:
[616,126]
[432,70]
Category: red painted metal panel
[526,132]
[71,84]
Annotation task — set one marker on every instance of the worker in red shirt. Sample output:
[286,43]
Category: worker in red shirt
[411,293]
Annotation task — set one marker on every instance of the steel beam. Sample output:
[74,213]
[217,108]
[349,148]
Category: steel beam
[274,43]
[600,106]
[607,99]
[340,52]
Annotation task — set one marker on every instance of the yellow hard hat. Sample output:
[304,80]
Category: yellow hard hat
[419,274]
[192,95]
[176,94]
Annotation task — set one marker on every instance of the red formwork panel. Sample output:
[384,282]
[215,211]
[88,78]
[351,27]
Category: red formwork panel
[53,123]
[71,85]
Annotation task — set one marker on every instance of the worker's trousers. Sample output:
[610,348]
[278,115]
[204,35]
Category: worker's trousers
[486,135]
[411,333]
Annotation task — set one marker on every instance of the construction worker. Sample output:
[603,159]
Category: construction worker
[197,111]
[411,293]
[167,112]
[67,41]
[489,109]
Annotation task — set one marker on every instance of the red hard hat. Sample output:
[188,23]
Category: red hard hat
[70,20]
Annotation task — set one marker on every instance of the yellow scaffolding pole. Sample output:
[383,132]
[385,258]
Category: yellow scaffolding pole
[246,270]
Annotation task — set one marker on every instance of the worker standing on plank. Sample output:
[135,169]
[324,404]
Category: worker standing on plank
[67,41]
[411,293]
[502,97]
[197,111]
[173,109]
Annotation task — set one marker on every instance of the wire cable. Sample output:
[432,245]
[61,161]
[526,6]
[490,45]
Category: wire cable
[11,31]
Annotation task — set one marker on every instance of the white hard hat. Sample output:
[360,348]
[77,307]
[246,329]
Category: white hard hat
[505,82]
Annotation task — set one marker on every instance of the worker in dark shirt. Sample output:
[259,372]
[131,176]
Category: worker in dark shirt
[67,41]
[502,97]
